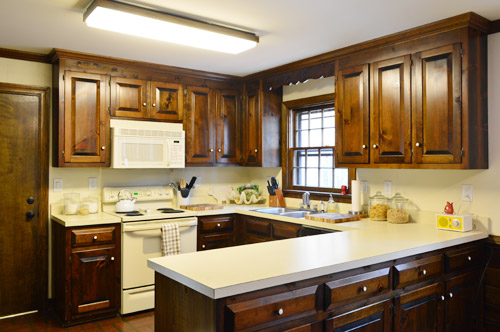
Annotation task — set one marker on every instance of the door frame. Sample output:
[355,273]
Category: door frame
[43,93]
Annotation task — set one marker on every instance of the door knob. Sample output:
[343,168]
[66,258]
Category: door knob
[30,200]
[30,214]
[103,147]
[364,146]
[375,146]
[144,104]
[417,144]
[154,105]
[220,150]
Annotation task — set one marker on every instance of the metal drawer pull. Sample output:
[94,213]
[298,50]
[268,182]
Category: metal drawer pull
[280,311]
[442,297]
[451,295]
[469,258]
[112,258]
[95,237]
[203,246]
[424,272]
[364,288]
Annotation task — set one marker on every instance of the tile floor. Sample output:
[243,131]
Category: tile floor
[46,322]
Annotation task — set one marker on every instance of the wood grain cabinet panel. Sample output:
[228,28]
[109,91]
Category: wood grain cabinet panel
[216,232]
[83,125]
[129,97]
[285,230]
[391,111]
[463,259]
[312,327]
[417,271]
[352,116]
[92,236]
[167,101]
[438,116]
[228,127]
[372,318]
[462,302]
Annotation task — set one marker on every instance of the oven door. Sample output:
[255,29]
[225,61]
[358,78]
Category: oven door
[142,240]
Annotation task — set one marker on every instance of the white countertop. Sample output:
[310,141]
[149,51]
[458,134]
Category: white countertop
[229,271]
[75,220]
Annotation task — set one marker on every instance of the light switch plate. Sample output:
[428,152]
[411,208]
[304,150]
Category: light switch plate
[467,192]
[92,183]
[388,188]
[364,186]
[58,185]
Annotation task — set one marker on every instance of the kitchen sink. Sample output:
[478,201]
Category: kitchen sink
[297,214]
[276,210]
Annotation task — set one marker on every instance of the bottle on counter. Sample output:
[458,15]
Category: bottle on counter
[331,206]
[398,210]
[378,207]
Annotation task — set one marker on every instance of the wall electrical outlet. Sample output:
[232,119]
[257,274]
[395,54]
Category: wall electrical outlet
[467,192]
[58,185]
[388,188]
[364,186]
[92,183]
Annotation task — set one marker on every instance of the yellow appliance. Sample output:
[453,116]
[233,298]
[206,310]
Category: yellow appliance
[454,222]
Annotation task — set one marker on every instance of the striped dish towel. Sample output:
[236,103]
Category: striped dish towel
[170,240]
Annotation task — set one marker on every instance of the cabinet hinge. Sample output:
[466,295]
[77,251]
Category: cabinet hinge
[391,309]
[462,152]
[462,52]
[70,260]
[109,110]
[185,92]
[62,153]
[64,77]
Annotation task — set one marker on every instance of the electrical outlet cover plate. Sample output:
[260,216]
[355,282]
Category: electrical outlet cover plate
[454,222]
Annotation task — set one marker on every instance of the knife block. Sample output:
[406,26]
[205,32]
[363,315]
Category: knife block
[273,201]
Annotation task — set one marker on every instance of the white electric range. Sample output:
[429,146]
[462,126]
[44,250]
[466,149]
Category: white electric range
[141,239]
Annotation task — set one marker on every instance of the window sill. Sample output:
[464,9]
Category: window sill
[318,195]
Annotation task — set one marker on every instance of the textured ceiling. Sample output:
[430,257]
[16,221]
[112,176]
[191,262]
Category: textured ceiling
[289,30]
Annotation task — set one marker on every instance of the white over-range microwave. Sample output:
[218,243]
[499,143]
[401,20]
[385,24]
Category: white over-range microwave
[146,144]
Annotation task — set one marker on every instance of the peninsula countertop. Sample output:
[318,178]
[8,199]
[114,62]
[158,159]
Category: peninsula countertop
[230,271]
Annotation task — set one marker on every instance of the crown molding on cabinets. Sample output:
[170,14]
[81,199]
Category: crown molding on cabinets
[23,55]
[494,27]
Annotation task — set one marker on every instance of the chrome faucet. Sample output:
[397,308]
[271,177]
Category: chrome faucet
[306,200]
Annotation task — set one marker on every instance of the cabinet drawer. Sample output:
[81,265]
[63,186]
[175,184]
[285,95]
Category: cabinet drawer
[217,224]
[215,241]
[259,227]
[462,258]
[92,236]
[285,230]
[279,308]
[416,271]
[355,288]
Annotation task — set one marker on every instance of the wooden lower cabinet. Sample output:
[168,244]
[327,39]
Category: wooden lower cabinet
[216,231]
[371,318]
[86,266]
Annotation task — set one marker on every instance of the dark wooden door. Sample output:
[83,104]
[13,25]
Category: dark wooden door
[93,274]
[420,310]
[252,150]
[24,141]
[372,318]
[228,127]
[199,125]
[128,97]
[312,327]
[462,307]
[438,101]
[391,112]
[86,119]
[166,101]
[352,120]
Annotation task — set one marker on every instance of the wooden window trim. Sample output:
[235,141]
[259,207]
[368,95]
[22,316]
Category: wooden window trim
[286,162]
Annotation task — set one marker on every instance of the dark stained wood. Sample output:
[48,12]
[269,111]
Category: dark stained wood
[216,231]
[271,126]
[494,27]
[463,259]
[199,124]
[81,123]
[391,111]
[372,318]
[312,327]
[179,308]
[129,98]
[258,226]
[300,75]
[86,275]
[24,55]
[352,116]
[420,310]
[492,285]
[438,118]
[24,145]
[285,230]
[252,128]
[228,124]
[166,101]
[416,271]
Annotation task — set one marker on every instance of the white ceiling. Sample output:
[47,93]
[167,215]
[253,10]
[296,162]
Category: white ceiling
[289,30]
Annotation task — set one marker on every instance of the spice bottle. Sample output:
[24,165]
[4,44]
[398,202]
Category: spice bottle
[398,210]
[378,207]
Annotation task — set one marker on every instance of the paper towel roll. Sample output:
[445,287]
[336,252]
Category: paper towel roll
[356,195]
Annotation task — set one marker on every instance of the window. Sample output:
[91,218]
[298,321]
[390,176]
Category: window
[310,165]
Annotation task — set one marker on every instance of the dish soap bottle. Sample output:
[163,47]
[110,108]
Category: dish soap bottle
[331,205]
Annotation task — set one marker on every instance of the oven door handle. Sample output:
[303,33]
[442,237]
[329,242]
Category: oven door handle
[149,228]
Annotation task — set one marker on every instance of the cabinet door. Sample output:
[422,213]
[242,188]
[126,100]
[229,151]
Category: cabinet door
[462,306]
[253,134]
[199,126]
[372,318]
[166,101]
[312,327]
[228,127]
[93,281]
[86,120]
[420,310]
[352,120]
[391,113]
[438,112]
[128,97]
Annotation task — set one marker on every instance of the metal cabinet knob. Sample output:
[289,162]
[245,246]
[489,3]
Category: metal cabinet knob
[95,237]
[103,147]
[144,104]
[451,295]
[218,225]
[112,258]
[364,288]
[203,246]
[154,105]
[256,150]
[280,311]
[417,144]
[220,150]
[30,214]
[375,146]
[211,150]
[424,272]
[30,200]
[442,297]
[364,146]
[469,258]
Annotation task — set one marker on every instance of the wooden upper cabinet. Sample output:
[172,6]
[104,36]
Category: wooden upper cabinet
[352,116]
[128,97]
[438,112]
[228,126]
[199,125]
[391,111]
[84,122]
[166,101]
[253,128]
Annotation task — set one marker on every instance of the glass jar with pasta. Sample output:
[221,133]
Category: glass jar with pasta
[398,210]
[378,207]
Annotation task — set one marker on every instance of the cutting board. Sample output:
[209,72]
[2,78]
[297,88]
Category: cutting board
[332,217]
[201,207]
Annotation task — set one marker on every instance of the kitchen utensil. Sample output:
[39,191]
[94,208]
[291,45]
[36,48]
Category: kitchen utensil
[182,183]
[126,203]
[270,189]
[332,217]
[191,183]
[274,183]
[184,192]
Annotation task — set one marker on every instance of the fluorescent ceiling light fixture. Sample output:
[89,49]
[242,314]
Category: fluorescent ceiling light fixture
[142,22]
